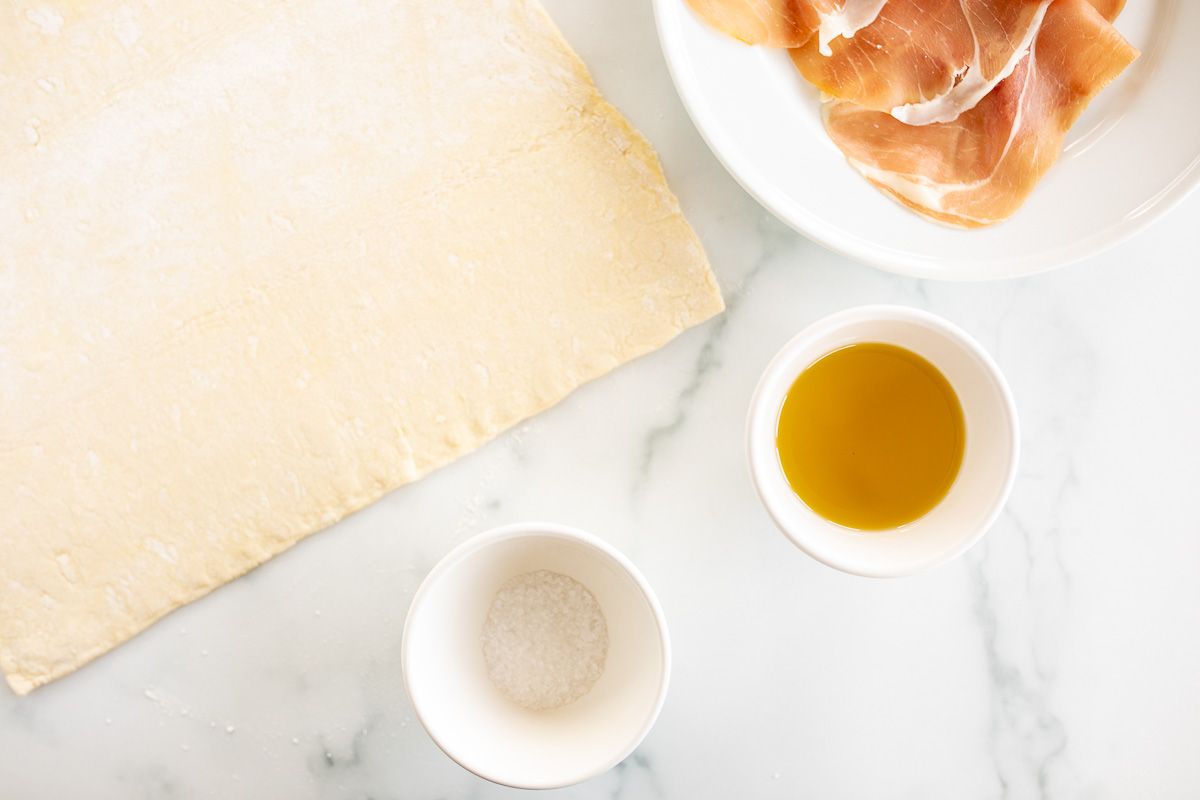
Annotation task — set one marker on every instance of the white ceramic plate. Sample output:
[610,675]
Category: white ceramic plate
[1133,156]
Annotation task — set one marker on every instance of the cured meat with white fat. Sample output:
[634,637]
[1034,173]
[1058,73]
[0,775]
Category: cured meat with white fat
[925,61]
[978,169]
[788,23]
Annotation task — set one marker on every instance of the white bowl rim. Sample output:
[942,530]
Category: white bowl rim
[519,530]
[760,402]
[811,226]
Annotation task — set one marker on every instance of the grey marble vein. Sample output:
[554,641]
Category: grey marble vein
[707,363]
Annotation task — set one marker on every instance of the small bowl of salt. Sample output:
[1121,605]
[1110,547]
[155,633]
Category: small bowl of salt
[536,655]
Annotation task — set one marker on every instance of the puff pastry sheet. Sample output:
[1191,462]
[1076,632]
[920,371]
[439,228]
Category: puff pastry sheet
[263,261]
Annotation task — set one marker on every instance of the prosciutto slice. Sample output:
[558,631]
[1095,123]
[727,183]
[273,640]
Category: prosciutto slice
[788,23]
[978,169]
[925,61]
[1109,8]
[775,23]
[793,23]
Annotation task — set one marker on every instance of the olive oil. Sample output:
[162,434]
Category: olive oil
[871,436]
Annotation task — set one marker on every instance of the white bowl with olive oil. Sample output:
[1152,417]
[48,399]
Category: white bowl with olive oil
[883,440]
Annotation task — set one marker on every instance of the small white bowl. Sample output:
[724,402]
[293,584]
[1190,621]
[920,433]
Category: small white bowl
[472,722]
[989,460]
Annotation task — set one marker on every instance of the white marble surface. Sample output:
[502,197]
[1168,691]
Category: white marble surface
[1060,658]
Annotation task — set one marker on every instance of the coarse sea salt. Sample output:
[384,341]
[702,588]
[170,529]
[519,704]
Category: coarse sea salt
[545,640]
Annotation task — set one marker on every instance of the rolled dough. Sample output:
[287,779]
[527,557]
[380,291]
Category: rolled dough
[263,261]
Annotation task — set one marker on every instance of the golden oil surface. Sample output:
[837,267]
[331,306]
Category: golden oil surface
[871,436]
